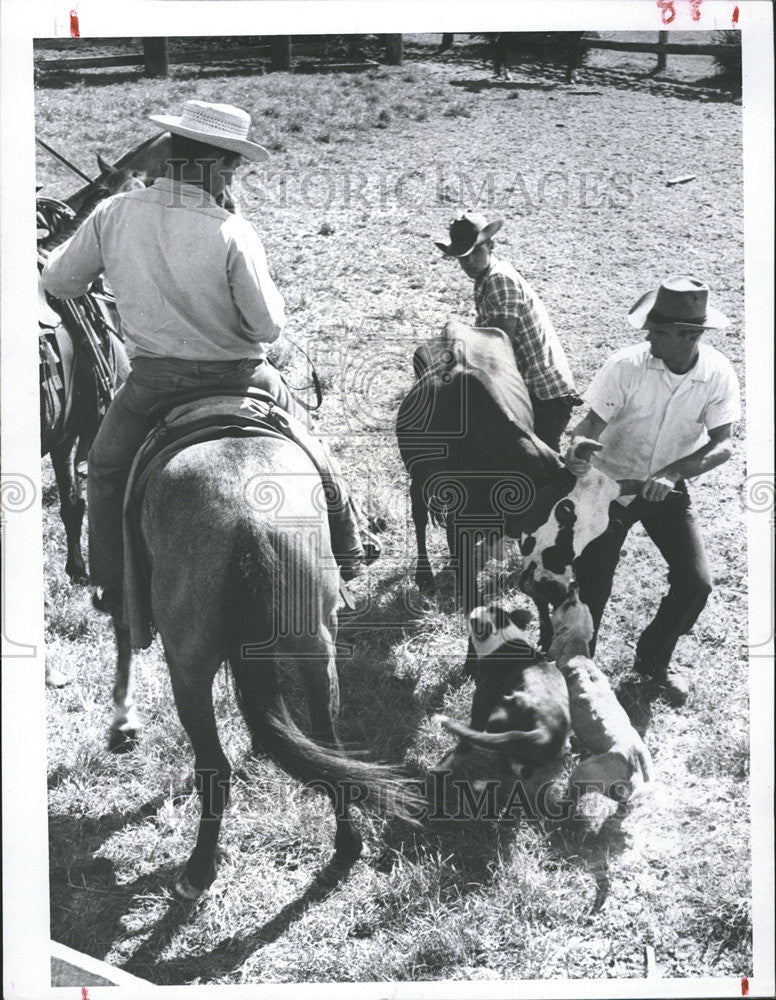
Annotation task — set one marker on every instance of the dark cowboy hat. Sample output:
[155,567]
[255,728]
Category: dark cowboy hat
[680,301]
[468,231]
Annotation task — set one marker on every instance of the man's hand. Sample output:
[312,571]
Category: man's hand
[578,455]
[658,487]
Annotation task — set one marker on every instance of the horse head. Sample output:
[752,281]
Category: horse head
[117,179]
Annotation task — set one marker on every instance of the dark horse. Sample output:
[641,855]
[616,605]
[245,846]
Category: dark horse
[477,471]
[505,46]
[85,352]
[236,537]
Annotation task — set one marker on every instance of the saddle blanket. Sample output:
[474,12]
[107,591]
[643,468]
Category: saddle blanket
[486,353]
[199,417]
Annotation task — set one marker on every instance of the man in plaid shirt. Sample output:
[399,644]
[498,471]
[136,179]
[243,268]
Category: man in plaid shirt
[504,299]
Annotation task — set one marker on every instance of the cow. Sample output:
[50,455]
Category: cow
[505,45]
[477,468]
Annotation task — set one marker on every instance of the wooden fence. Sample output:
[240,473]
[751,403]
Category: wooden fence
[156,57]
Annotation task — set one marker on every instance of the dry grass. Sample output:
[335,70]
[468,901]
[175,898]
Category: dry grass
[367,170]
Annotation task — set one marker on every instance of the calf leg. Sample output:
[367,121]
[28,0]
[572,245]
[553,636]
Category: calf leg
[545,625]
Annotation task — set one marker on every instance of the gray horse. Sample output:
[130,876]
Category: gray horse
[237,540]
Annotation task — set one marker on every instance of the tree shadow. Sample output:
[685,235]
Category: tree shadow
[231,952]
[86,890]
[87,902]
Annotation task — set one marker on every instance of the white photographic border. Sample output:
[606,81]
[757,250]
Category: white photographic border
[25,851]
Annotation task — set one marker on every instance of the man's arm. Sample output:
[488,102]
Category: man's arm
[258,301]
[506,323]
[71,268]
[588,430]
[717,450]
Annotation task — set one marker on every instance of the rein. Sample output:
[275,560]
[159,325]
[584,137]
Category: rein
[315,384]
[64,161]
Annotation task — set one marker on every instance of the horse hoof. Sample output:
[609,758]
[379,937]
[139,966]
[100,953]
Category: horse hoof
[77,575]
[185,891]
[347,849]
[121,741]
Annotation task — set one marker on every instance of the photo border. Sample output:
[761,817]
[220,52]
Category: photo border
[25,851]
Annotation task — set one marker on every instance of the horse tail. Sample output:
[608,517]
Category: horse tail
[375,787]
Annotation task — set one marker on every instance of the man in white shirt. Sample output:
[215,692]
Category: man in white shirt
[663,410]
[197,307]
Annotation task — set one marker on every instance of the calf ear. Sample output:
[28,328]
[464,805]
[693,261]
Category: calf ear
[481,628]
[521,617]
[500,617]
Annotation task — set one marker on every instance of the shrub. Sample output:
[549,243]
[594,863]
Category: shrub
[728,60]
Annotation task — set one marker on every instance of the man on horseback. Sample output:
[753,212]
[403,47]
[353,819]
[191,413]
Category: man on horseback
[198,308]
[504,299]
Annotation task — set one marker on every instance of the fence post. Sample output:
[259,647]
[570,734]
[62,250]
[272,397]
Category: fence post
[281,52]
[394,50]
[662,58]
[156,55]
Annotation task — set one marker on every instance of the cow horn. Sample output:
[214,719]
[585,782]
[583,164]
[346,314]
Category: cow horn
[585,447]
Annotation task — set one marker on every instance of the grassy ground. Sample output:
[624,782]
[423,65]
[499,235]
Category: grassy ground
[366,170]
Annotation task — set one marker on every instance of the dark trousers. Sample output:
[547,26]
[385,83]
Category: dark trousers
[551,418]
[671,525]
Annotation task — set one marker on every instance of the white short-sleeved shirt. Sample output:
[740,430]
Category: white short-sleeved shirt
[654,417]
[190,279]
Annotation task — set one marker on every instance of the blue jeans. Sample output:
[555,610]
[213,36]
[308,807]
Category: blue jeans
[671,525]
[155,381]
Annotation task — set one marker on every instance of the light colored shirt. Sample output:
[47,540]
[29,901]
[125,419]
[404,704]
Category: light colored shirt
[190,279]
[654,417]
[502,292]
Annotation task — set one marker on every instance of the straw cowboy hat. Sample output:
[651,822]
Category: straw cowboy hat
[218,125]
[468,231]
[680,301]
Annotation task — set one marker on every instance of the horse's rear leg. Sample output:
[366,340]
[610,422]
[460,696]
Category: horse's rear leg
[318,669]
[71,507]
[193,692]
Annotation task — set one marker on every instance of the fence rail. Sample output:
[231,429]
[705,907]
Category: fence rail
[156,56]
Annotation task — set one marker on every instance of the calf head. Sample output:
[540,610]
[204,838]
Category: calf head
[572,627]
[492,627]
[577,519]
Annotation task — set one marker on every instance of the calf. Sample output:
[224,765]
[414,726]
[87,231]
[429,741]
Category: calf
[520,707]
[600,723]
[549,552]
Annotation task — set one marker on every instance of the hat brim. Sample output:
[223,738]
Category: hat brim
[250,150]
[638,317]
[454,250]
